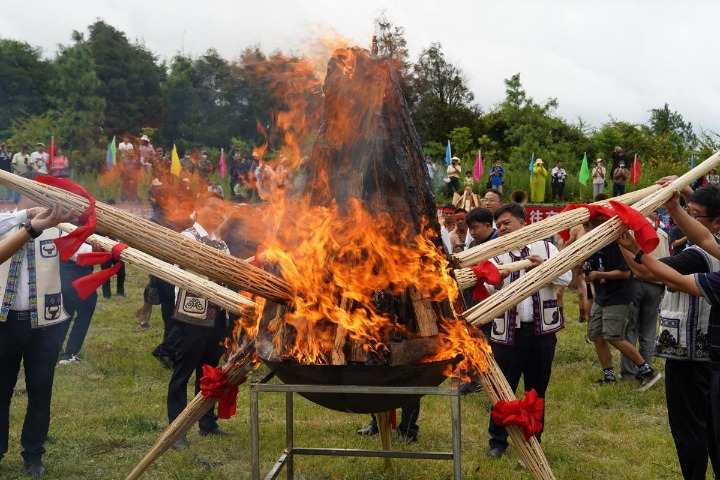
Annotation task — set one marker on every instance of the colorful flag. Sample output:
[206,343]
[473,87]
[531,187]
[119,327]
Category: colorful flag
[584,174]
[175,166]
[478,171]
[110,155]
[448,154]
[532,165]
[51,153]
[222,166]
[636,171]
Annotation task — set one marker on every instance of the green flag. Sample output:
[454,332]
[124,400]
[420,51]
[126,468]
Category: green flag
[584,174]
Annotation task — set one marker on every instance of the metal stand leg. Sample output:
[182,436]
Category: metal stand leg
[456,434]
[254,433]
[289,434]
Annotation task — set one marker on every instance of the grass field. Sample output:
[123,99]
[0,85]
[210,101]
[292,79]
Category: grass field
[108,410]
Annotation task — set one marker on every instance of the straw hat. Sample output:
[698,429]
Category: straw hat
[599,160]
[146,138]
[454,159]
[539,162]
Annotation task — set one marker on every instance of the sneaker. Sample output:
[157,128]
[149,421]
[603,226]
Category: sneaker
[648,379]
[588,340]
[470,387]
[369,429]
[145,326]
[72,359]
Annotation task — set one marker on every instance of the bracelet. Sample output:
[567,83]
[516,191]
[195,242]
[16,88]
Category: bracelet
[33,233]
[638,256]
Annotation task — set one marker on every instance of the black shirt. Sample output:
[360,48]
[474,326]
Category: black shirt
[612,292]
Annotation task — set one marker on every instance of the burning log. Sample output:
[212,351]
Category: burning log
[242,362]
[160,242]
[538,230]
[367,155]
[224,297]
[533,281]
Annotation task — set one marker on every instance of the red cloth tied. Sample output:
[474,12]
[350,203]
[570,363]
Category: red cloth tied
[526,413]
[214,384]
[645,234]
[256,262]
[67,245]
[486,272]
[89,283]
[595,212]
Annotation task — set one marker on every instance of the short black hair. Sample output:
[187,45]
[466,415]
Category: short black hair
[204,198]
[448,206]
[514,209]
[600,196]
[496,192]
[709,197]
[460,210]
[479,215]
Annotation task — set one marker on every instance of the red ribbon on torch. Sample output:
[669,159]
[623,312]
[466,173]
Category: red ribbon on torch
[89,283]
[645,234]
[68,244]
[526,413]
[214,384]
[595,212]
[486,272]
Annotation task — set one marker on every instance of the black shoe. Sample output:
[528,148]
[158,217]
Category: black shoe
[410,438]
[369,429]
[107,297]
[605,381]
[470,387]
[216,431]
[495,452]
[120,294]
[181,443]
[165,360]
[35,468]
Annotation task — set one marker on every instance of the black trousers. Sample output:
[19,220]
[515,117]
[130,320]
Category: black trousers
[166,292]
[38,349]
[687,389]
[107,288]
[530,357]
[408,426]
[558,190]
[195,347]
[81,310]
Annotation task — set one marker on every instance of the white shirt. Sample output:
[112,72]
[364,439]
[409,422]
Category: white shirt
[39,161]
[431,169]
[21,300]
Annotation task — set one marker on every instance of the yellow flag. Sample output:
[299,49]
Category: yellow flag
[175,166]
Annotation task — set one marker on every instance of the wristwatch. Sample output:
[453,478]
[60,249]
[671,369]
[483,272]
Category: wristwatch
[33,233]
[638,256]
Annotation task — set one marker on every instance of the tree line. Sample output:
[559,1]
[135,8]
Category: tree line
[101,85]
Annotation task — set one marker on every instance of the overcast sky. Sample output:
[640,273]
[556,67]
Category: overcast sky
[600,59]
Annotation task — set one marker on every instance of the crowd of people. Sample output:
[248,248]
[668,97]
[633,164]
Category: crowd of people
[618,175]
[660,304]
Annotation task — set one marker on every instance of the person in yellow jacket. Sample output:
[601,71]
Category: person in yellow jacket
[537,183]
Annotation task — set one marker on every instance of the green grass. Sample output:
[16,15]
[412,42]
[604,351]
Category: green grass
[108,411]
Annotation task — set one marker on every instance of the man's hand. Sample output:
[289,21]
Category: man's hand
[535,260]
[666,180]
[33,211]
[591,277]
[673,203]
[628,242]
[50,217]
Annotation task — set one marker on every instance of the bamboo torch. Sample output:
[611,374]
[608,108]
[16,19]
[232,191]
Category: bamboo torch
[160,242]
[466,278]
[541,229]
[242,362]
[596,239]
[224,297]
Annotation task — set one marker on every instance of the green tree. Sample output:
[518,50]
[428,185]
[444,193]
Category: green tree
[77,109]
[130,79]
[24,84]
[443,99]
[461,141]
[393,46]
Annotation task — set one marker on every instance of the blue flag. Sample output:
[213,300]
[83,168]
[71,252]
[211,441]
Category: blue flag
[532,165]
[448,154]
[692,161]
